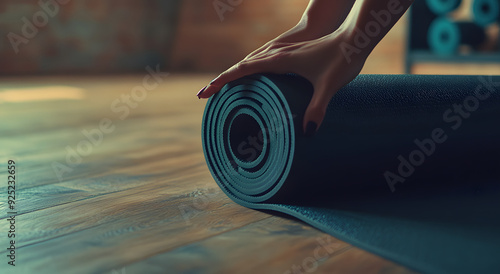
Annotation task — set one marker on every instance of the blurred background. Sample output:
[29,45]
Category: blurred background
[196,36]
[98,110]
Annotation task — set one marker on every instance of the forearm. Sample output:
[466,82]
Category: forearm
[369,21]
[323,17]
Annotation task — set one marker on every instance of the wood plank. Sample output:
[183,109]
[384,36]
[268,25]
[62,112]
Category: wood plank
[144,197]
[272,245]
[37,189]
[102,233]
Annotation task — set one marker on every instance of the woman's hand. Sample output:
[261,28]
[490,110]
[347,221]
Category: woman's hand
[321,61]
[329,61]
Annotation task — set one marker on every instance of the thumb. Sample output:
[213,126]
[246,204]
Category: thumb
[316,110]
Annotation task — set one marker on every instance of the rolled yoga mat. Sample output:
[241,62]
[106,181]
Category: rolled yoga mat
[441,7]
[485,12]
[404,166]
[445,36]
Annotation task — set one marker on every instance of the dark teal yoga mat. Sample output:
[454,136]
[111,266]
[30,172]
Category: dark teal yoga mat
[405,166]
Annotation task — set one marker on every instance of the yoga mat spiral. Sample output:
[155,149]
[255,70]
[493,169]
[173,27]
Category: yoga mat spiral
[485,12]
[439,134]
[445,36]
[441,7]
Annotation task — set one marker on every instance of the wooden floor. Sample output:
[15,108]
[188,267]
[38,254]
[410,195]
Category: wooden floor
[141,199]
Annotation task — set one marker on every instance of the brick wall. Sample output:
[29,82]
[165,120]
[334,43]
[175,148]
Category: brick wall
[209,39]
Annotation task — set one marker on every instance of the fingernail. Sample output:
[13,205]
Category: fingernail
[211,82]
[200,92]
[310,129]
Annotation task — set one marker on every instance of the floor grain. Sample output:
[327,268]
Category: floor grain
[140,199]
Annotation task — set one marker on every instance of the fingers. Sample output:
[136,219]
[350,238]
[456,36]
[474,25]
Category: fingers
[314,114]
[274,60]
[268,48]
[316,109]
[325,87]
[239,70]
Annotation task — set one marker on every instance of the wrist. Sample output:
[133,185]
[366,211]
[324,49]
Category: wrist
[311,29]
[323,17]
[358,38]
[352,44]
[299,33]
[369,21]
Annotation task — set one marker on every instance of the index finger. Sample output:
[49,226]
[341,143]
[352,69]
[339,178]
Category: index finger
[237,71]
